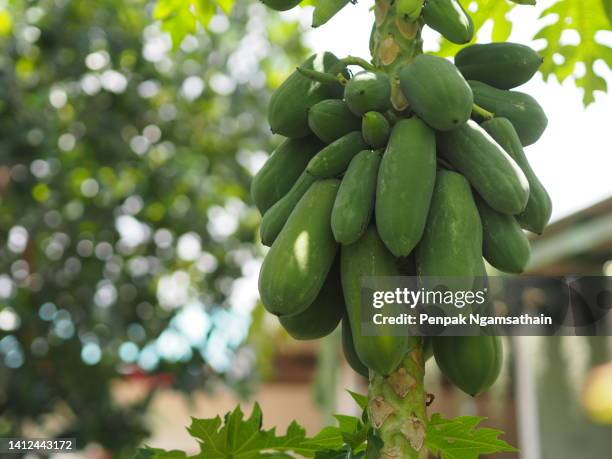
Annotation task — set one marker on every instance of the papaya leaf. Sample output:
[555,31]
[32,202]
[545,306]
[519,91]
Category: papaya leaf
[181,17]
[360,399]
[155,453]
[586,18]
[460,438]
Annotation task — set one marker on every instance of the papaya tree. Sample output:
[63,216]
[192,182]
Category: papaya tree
[401,164]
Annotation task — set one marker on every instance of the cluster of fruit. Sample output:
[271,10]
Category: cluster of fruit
[359,189]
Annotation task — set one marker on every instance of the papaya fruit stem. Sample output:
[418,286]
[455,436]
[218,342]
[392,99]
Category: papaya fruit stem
[354,60]
[321,77]
[397,407]
[478,110]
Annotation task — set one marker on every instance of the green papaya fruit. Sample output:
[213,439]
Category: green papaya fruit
[354,204]
[452,244]
[281,5]
[369,257]
[281,171]
[409,10]
[405,184]
[331,119]
[326,10]
[300,259]
[490,170]
[427,348]
[472,363]
[449,19]
[522,110]
[275,218]
[504,246]
[348,349]
[437,92]
[288,108]
[323,315]
[333,160]
[501,65]
[536,215]
[375,129]
[368,91]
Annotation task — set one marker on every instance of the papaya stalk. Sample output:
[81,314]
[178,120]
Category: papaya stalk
[397,402]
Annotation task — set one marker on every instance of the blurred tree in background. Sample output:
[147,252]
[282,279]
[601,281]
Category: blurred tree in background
[126,239]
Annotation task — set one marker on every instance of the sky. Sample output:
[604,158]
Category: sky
[573,158]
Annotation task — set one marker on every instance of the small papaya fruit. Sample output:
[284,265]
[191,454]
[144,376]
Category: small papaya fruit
[354,203]
[437,92]
[405,185]
[281,5]
[326,10]
[333,160]
[281,171]
[536,215]
[368,257]
[505,246]
[288,108]
[375,129]
[409,10]
[522,110]
[501,65]
[331,119]
[490,170]
[449,19]
[275,218]
[295,268]
[348,348]
[368,91]
[323,315]
[472,363]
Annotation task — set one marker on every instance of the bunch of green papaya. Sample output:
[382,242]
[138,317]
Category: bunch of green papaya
[359,188]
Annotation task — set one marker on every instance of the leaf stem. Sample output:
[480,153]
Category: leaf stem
[321,77]
[354,60]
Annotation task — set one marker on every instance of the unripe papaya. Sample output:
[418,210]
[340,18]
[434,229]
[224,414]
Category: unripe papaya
[300,259]
[281,171]
[368,91]
[281,5]
[452,244]
[326,10]
[472,363]
[288,109]
[349,349]
[522,110]
[501,65]
[536,215]
[333,160]
[375,129]
[437,92]
[490,170]
[505,246]
[354,204]
[409,10]
[369,257]
[331,119]
[405,184]
[449,19]
[275,218]
[323,315]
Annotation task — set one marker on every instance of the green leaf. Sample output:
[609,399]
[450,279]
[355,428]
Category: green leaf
[361,400]
[156,453]
[586,18]
[460,439]
[524,2]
